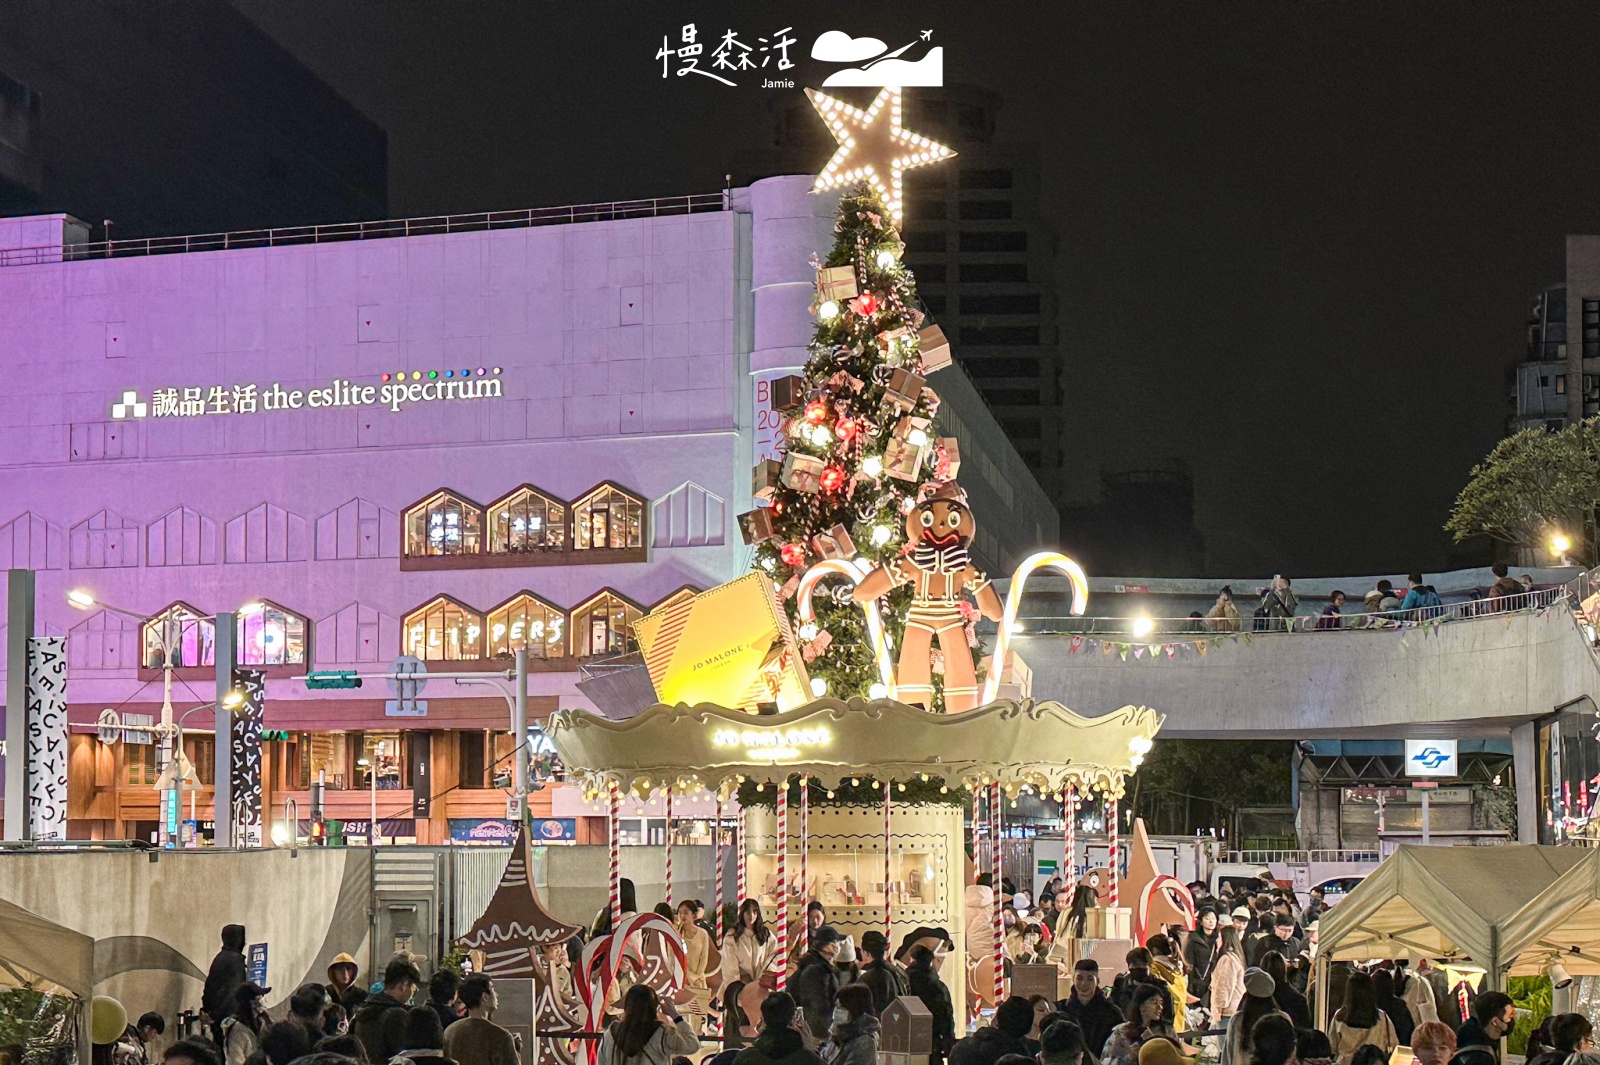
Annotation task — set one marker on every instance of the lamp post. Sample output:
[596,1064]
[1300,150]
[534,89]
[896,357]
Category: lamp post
[372,786]
[169,638]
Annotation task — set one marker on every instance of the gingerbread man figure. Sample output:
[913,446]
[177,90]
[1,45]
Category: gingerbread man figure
[939,569]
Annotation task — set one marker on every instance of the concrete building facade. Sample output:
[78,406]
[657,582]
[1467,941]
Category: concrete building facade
[449,445]
[1557,382]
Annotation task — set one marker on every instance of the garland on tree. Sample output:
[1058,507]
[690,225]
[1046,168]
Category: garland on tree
[857,444]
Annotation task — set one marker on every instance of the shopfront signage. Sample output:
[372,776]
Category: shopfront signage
[394,391]
[1431,758]
[778,745]
[486,830]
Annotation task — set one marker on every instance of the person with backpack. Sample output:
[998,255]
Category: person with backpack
[1421,602]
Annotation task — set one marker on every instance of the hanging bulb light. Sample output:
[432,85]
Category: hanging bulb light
[828,311]
[809,631]
[885,259]
[872,466]
[819,687]
[878,691]
[881,535]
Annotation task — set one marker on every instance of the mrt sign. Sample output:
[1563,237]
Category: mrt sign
[1431,758]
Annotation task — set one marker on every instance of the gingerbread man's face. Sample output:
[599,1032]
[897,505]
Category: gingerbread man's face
[938,520]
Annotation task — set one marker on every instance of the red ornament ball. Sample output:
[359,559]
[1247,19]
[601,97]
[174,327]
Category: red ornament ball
[792,554]
[816,412]
[845,428]
[833,478]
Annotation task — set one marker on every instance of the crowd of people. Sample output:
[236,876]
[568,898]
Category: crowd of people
[1278,608]
[1238,987]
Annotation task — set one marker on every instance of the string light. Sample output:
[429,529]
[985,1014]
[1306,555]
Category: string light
[828,311]
[881,535]
[871,150]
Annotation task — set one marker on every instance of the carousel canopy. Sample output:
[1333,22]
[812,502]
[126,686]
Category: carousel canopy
[1044,745]
[1454,903]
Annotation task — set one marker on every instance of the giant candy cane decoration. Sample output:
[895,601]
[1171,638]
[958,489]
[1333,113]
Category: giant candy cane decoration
[1002,641]
[880,643]
[601,962]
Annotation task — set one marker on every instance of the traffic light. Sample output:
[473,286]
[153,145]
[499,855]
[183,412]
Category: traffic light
[337,678]
[270,734]
[319,833]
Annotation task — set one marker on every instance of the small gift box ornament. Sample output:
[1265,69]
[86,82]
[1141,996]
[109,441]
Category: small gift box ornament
[903,388]
[895,343]
[788,393]
[837,283]
[834,543]
[802,472]
[947,466]
[842,380]
[766,478]
[934,347]
[914,430]
[756,526]
[903,460]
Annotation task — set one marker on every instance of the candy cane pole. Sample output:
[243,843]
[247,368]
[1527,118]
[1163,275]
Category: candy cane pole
[716,838]
[783,883]
[738,858]
[805,848]
[669,847]
[1111,841]
[1002,639]
[994,873]
[1069,811]
[888,913]
[613,816]
[977,820]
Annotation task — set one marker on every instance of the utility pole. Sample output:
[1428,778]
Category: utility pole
[222,764]
[19,628]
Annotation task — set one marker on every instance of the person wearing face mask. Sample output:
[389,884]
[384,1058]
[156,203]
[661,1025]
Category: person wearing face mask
[816,983]
[853,1038]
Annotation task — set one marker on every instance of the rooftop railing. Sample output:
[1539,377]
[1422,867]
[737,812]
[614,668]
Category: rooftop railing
[342,231]
[1132,629]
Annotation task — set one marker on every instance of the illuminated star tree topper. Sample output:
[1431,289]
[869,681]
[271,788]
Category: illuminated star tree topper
[873,146]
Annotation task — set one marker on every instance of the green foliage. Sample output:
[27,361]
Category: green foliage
[868,793]
[1532,484]
[849,342]
[1531,995]
[26,1016]
[1189,785]
[455,961]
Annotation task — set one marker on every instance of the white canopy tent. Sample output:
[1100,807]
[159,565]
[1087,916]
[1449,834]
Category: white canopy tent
[1562,925]
[43,956]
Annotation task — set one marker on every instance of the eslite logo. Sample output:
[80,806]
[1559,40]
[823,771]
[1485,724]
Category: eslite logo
[1431,757]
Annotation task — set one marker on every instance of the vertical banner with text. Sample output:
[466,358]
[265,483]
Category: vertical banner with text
[47,736]
[246,761]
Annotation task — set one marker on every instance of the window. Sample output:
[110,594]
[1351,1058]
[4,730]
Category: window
[444,524]
[608,518]
[931,274]
[1000,304]
[526,521]
[200,750]
[994,272]
[269,635]
[1004,335]
[444,631]
[926,209]
[472,759]
[141,759]
[1012,397]
[927,240]
[190,634]
[1591,329]
[1561,384]
[986,179]
[527,621]
[991,241]
[986,367]
[985,209]
[604,626]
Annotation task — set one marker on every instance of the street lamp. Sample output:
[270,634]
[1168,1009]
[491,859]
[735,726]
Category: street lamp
[1142,626]
[1560,544]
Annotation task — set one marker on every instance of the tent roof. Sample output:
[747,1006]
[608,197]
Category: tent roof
[1444,902]
[1565,918]
[34,947]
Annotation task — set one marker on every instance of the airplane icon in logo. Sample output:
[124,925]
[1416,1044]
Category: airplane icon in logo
[1431,757]
[927,35]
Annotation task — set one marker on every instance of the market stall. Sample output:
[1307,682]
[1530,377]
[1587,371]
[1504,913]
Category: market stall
[43,963]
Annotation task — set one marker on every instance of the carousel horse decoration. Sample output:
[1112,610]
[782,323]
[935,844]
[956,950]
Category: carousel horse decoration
[939,569]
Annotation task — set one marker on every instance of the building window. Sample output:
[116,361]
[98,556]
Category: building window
[444,631]
[1561,384]
[1001,304]
[979,273]
[986,179]
[1591,329]
[526,521]
[1000,335]
[924,240]
[201,750]
[527,621]
[608,518]
[444,524]
[269,635]
[190,634]
[931,273]
[141,759]
[982,209]
[984,366]
[604,626]
[991,241]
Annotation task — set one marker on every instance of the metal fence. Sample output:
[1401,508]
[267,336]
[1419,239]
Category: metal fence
[477,221]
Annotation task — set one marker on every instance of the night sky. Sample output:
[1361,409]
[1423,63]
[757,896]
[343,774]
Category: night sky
[1296,241]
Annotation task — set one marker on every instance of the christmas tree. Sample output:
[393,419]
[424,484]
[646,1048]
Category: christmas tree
[857,443]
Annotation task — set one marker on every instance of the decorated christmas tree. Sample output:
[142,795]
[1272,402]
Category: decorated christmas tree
[857,444]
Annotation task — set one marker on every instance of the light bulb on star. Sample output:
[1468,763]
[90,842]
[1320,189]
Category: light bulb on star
[874,146]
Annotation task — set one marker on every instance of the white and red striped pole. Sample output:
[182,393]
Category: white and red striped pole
[805,848]
[738,860]
[888,913]
[783,884]
[977,820]
[1069,810]
[1111,842]
[994,873]
[670,900]
[716,840]
[613,819]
